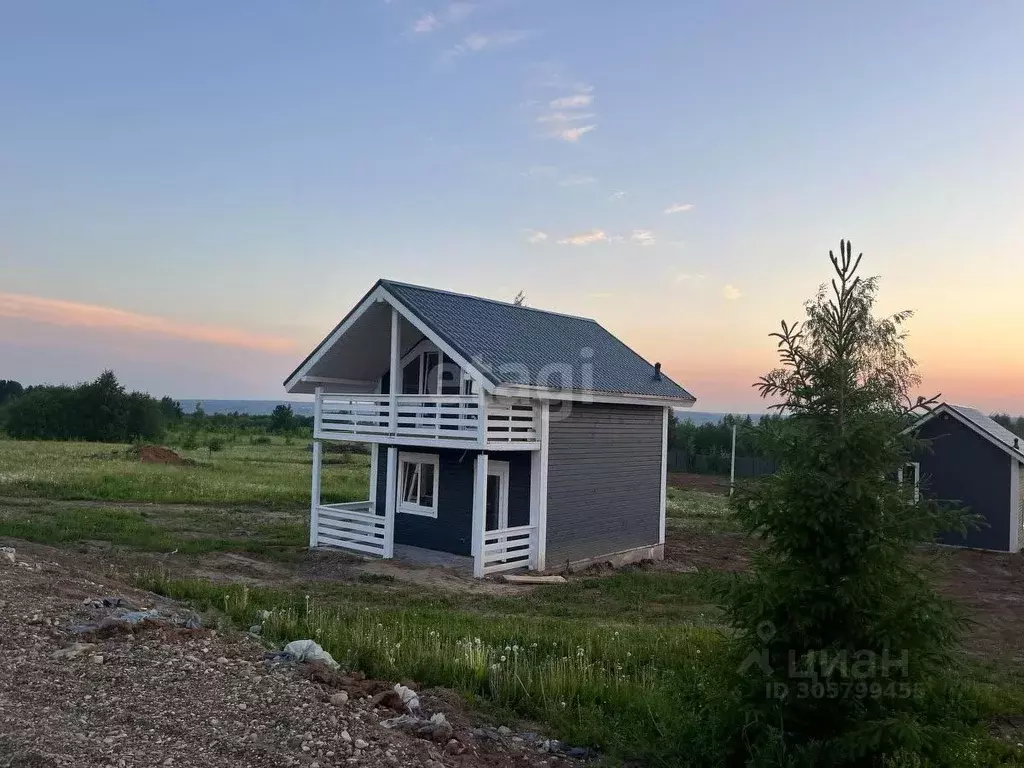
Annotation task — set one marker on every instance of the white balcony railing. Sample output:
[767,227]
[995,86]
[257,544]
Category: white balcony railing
[453,419]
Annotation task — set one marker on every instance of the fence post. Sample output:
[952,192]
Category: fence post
[732,468]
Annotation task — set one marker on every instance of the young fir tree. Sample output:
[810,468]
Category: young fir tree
[844,648]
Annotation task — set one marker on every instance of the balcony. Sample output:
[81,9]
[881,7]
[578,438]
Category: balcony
[442,421]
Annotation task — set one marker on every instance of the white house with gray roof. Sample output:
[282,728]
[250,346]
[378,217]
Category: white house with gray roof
[514,436]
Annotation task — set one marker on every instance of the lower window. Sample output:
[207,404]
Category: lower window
[417,484]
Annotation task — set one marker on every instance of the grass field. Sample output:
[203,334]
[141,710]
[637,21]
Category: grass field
[274,474]
[628,662]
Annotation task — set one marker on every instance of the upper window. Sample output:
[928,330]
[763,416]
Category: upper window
[417,483]
[428,371]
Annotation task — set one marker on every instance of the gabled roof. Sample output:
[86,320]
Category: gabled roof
[516,346]
[988,428]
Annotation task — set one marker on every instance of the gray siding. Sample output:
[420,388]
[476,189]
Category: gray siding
[452,530]
[963,466]
[604,480]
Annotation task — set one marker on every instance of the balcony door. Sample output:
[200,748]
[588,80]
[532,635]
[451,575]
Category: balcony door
[496,502]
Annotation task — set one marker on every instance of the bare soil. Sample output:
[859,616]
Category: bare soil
[157,454]
[163,695]
[989,585]
[694,482]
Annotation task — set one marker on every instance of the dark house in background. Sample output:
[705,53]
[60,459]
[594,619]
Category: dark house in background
[514,436]
[973,460]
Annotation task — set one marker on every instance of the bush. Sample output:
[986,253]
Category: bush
[191,441]
[259,440]
[214,444]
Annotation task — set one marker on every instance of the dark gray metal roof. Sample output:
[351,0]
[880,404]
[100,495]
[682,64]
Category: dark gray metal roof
[993,428]
[522,345]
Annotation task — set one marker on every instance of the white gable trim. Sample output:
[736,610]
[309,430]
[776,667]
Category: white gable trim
[380,293]
[588,396]
[945,408]
[1015,505]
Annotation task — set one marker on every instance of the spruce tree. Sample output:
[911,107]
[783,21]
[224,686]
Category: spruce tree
[844,649]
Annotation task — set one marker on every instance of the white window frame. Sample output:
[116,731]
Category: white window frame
[500,470]
[407,507]
[419,354]
[917,478]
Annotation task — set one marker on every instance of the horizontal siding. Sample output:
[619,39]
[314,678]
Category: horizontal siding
[965,467]
[604,480]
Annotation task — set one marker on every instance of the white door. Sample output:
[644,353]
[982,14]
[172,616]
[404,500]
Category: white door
[496,507]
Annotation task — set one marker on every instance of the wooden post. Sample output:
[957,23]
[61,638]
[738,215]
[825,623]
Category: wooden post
[396,372]
[314,497]
[482,416]
[479,513]
[390,502]
[542,491]
[535,492]
[732,467]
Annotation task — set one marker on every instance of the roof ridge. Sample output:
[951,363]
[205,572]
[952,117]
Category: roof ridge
[399,283]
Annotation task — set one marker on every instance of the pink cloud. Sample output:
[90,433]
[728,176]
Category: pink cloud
[74,315]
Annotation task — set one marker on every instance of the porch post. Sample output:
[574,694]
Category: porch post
[479,513]
[541,458]
[390,502]
[396,372]
[314,496]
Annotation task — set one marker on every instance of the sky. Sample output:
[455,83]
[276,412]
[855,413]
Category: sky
[193,194]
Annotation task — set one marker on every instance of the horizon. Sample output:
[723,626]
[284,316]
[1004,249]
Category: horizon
[195,200]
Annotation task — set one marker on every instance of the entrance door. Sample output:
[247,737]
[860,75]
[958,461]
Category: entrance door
[497,495]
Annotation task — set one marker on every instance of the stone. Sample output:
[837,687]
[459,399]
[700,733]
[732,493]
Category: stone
[223,660]
[339,699]
[9,554]
[96,659]
[454,747]
[73,651]
[346,737]
[360,744]
[504,730]
[428,763]
[255,629]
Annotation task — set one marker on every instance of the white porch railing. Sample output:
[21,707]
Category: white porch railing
[352,526]
[424,418]
[505,549]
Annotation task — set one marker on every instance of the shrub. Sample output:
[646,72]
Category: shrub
[259,440]
[214,444]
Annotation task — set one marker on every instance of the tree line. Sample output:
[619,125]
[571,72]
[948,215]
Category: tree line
[1014,424]
[102,410]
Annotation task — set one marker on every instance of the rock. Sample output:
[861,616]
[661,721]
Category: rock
[454,747]
[223,660]
[73,651]
[96,658]
[391,699]
[345,737]
[255,629]
[9,554]
[339,699]
[428,763]
[504,730]
[360,744]
[581,752]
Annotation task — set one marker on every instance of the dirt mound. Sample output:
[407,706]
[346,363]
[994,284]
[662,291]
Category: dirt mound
[157,454]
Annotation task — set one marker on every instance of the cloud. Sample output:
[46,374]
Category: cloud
[618,194]
[573,134]
[71,314]
[566,111]
[643,237]
[540,171]
[683,277]
[425,24]
[585,238]
[582,98]
[476,42]
[730,292]
[535,236]
[577,181]
[565,117]
[600,295]
[679,208]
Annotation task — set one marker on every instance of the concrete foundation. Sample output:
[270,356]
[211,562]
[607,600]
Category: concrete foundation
[618,559]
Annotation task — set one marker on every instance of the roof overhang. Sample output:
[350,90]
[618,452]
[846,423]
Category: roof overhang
[354,355]
[590,396]
[945,410]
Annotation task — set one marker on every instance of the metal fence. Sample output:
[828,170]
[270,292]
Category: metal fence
[703,464]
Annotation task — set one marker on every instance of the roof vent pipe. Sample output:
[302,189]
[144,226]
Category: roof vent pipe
[657,371]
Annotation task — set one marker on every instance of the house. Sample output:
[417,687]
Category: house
[514,436]
[972,459]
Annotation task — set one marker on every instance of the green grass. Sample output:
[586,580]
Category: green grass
[136,530]
[274,474]
[698,511]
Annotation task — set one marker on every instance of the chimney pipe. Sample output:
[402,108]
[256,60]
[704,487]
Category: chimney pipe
[657,371]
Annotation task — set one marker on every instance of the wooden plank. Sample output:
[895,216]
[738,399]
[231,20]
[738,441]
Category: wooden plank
[343,544]
[525,579]
[488,569]
[353,518]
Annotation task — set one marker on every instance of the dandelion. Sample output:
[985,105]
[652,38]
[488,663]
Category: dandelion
[503,658]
